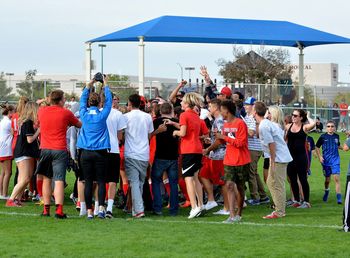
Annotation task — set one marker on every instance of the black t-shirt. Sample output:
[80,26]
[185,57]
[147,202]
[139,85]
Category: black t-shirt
[23,148]
[167,145]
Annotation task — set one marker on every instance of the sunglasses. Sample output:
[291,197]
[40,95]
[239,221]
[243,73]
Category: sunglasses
[294,115]
[330,126]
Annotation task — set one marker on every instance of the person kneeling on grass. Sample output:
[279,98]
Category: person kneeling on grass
[236,160]
[271,135]
[330,159]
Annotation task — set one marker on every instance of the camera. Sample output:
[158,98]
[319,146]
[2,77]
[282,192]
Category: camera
[99,77]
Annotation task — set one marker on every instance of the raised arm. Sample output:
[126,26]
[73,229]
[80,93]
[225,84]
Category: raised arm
[172,97]
[312,123]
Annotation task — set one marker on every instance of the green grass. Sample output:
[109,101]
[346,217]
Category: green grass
[302,233]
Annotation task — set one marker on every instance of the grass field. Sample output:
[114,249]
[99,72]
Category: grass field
[302,233]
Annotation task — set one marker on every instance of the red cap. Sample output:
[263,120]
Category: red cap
[226,91]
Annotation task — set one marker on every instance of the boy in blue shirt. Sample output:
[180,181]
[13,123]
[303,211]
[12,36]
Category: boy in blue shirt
[330,159]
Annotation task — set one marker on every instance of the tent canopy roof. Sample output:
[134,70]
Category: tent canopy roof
[223,31]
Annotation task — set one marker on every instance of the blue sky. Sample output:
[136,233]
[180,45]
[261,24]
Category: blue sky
[49,35]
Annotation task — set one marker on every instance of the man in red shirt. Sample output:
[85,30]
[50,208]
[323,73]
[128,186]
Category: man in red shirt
[236,160]
[343,115]
[54,121]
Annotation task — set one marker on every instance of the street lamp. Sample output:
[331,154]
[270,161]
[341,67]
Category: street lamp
[182,71]
[9,75]
[102,46]
[189,69]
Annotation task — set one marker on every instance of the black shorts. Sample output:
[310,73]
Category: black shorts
[266,163]
[113,167]
[53,164]
[191,163]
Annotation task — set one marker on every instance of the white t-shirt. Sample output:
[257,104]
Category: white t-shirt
[139,125]
[270,132]
[115,122]
[5,137]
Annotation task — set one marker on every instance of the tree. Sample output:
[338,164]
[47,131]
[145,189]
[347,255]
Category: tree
[256,67]
[31,88]
[5,92]
[120,85]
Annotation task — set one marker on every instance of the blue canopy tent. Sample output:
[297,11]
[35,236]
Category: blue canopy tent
[219,31]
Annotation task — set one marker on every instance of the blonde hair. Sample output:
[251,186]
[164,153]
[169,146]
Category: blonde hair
[193,99]
[30,112]
[277,115]
[23,100]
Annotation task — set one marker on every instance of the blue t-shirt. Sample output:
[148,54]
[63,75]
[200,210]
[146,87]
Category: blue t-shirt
[329,144]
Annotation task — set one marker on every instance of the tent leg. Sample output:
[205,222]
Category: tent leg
[301,73]
[88,62]
[141,66]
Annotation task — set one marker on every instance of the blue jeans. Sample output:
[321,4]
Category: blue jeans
[158,168]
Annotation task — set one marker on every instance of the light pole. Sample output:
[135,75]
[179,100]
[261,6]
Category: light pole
[182,71]
[9,75]
[102,46]
[189,69]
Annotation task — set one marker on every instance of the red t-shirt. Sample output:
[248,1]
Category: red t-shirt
[54,121]
[191,143]
[236,138]
[344,107]
[14,126]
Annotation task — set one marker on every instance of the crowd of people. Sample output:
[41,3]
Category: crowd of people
[204,149]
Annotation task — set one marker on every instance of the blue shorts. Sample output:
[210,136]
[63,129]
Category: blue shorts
[331,170]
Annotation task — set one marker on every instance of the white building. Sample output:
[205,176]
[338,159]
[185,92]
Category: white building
[317,74]
[72,83]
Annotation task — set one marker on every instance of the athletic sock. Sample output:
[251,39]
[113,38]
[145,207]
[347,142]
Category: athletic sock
[96,208]
[339,199]
[107,188]
[59,209]
[183,188]
[167,186]
[101,208]
[39,184]
[125,189]
[82,208]
[46,209]
[110,205]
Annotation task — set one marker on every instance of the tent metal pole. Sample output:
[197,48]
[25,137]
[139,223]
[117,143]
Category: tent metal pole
[88,62]
[301,72]
[141,65]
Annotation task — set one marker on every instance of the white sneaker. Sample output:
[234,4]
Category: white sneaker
[221,212]
[195,212]
[237,218]
[83,212]
[230,220]
[210,205]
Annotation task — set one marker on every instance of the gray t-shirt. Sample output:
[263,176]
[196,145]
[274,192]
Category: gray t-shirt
[219,153]
[270,132]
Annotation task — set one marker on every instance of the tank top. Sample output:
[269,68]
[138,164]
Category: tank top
[297,142]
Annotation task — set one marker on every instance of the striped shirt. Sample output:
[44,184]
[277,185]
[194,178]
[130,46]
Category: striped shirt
[254,143]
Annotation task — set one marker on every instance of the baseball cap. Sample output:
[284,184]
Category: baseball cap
[226,91]
[249,101]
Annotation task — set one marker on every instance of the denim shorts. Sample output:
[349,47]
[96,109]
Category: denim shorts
[53,164]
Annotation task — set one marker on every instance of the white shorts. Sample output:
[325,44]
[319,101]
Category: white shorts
[19,159]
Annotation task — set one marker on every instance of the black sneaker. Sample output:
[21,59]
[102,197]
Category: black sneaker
[60,216]
[109,215]
[45,214]
[157,213]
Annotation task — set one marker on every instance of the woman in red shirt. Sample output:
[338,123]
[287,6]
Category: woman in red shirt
[191,150]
